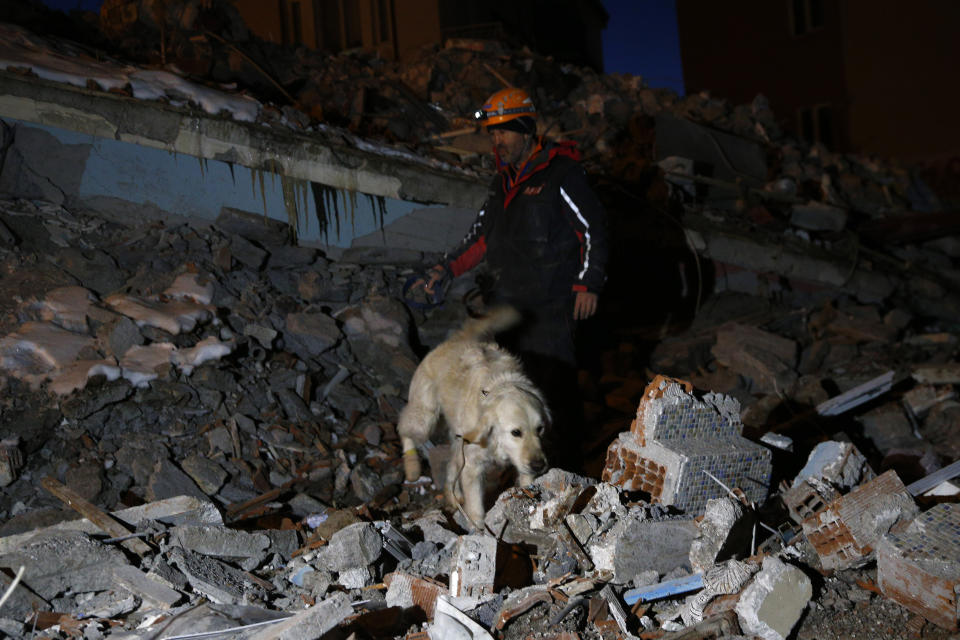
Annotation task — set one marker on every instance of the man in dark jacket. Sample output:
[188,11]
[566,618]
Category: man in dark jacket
[543,234]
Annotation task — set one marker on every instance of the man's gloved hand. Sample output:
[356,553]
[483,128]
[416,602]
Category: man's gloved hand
[434,275]
[585,305]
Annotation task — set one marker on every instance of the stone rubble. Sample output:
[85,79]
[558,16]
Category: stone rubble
[239,396]
[269,476]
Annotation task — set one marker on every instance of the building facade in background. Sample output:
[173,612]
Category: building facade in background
[569,30]
[868,76]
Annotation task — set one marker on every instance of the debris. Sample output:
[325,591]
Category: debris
[674,436]
[772,603]
[920,567]
[856,396]
[95,515]
[846,531]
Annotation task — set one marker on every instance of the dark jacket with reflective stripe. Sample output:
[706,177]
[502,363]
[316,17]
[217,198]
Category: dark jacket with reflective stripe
[544,237]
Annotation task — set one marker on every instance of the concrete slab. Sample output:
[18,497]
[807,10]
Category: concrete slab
[310,624]
[59,561]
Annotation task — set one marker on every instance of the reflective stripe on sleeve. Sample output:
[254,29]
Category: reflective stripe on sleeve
[586,233]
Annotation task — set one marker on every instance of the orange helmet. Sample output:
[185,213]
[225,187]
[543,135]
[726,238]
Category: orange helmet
[505,105]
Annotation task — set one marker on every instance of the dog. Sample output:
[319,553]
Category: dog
[494,414]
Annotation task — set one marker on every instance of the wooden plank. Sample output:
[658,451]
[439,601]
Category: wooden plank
[95,515]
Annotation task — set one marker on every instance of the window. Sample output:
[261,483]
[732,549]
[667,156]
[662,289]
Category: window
[815,124]
[805,16]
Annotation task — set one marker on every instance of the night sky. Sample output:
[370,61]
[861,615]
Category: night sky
[641,38]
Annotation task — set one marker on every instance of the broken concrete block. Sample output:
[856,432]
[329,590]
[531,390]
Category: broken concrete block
[635,543]
[920,567]
[153,593]
[475,565]
[354,546]
[676,438]
[888,428]
[520,516]
[105,604]
[765,358]
[845,533]
[724,532]
[409,591]
[311,623]
[220,542]
[212,578]
[208,475]
[283,542]
[839,463]
[771,605]
[168,481]
[311,333]
[60,561]
[832,468]
[355,578]
[249,254]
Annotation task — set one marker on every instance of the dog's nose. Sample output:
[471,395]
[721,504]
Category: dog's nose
[539,465]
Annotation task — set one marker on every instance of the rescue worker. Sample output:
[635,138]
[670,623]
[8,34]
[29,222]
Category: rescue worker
[543,234]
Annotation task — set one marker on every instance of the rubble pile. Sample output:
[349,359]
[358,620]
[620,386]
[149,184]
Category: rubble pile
[425,104]
[197,425]
[198,432]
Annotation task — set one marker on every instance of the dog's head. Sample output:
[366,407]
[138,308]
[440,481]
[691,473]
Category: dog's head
[513,420]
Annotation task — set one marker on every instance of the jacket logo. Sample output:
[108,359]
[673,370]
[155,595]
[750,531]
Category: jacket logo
[533,191]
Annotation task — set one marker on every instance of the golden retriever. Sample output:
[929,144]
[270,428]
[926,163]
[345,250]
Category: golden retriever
[493,412]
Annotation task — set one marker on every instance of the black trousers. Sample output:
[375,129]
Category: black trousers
[545,344]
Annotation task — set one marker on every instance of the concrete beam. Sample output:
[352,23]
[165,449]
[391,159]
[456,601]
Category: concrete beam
[321,157]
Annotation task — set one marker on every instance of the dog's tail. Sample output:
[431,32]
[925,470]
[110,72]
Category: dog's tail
[496,320]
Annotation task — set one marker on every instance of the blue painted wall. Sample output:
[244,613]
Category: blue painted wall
[189,186]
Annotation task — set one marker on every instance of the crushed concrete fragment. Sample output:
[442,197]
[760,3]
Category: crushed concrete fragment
[355,546]
[64,561]
[219,542]
[771,605]
[212,578]
[839,463]
[475,566]
[152,592]
[310,623]
[723,530]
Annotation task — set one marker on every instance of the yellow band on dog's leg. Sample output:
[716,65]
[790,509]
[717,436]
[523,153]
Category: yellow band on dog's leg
[411,465]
